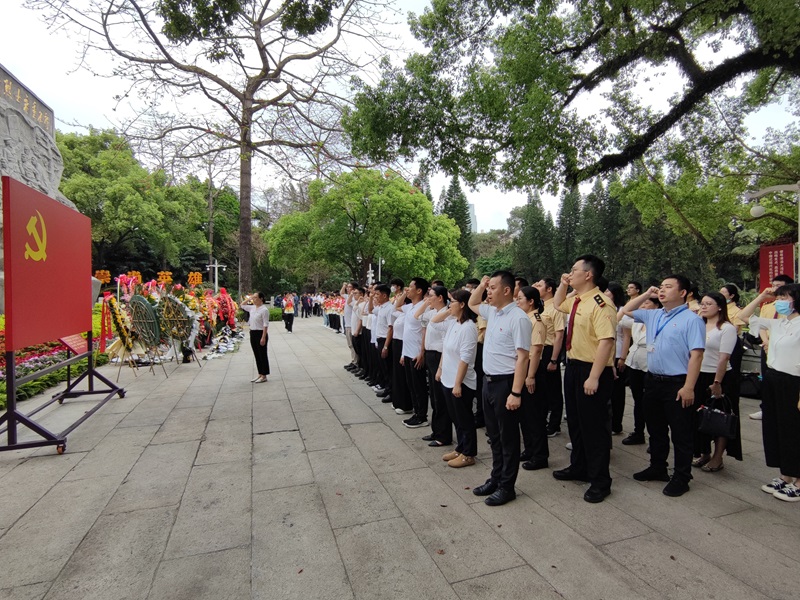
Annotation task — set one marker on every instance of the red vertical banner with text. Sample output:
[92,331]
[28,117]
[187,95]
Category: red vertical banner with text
[775,260]
[48,266]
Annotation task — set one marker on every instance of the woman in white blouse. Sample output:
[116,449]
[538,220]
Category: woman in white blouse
[456,373]
[255,304]
[716,378]
[433,338]
[781,390]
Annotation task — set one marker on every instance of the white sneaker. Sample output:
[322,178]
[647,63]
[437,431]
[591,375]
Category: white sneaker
[400,411]
[789,493]
[773,486]
[568,445]
[756,416]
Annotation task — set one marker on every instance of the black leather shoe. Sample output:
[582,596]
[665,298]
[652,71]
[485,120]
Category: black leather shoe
[595,494]
[386,399]
[633,439]
[534,465]
[676,487]
[428,438]
[500,497]
[523,456]
[486,489]
[652,474]
[568,475]
[383,393]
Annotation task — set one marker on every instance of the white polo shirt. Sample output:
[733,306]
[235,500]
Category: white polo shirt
[434,332]
[383,314]
[412,331]
[507,330]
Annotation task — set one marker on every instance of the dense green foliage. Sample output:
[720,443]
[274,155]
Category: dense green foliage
[456,207]
[361,217]
[139,221]
[542,93]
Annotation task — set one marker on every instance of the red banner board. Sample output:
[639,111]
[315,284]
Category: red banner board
[775,260]
[48,266]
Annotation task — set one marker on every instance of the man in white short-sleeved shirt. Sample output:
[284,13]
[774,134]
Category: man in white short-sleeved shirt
[505,364]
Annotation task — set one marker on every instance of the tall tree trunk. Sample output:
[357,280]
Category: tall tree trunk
[210,222]
[245,191]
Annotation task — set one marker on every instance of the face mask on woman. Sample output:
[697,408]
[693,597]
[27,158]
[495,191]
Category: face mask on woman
[784,307]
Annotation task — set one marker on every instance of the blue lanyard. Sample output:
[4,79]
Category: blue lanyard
[659,326]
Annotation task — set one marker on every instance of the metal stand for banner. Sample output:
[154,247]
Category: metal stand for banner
[12,418]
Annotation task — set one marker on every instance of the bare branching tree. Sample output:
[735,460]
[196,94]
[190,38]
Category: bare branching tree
[265,83]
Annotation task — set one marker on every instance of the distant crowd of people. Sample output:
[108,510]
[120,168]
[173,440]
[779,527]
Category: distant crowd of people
[490,354]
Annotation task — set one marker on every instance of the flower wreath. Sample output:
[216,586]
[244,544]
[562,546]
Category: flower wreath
[123,331]
[191,315]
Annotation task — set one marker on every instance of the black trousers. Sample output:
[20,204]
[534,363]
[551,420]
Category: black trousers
[368,357]
[636,383]
[441,425]
[554,390]
[460,410]
[259,351]
[479,388]
[358,347]
[417,382]
[618,400]
[534,416]
[401,398]
[502,427]
[781,422]
[589,422]
[665,415]
[288,321]
[384,365]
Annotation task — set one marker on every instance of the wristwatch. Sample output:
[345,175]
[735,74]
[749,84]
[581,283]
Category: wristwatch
[553,362]
[515,394]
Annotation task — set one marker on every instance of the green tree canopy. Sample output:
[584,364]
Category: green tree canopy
[535,93]
[362,216]
[138,221]
[456,207]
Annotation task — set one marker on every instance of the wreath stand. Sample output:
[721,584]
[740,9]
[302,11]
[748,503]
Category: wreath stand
[144,322]
[13,417]
[177,327]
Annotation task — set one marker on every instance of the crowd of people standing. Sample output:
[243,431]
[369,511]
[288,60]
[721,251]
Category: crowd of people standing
[490,354]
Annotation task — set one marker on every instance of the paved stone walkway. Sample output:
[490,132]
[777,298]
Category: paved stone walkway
[205,486]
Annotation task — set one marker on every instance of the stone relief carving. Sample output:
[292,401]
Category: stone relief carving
[30,155]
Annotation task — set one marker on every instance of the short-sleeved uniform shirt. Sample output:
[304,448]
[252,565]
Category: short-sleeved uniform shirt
[595,320]
[671,337]
[733,315]
[539,331]
[507,330]
[553,320]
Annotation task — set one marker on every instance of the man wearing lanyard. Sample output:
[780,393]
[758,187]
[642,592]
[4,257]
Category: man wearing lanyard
[588,378]
[675,345]
[505,365]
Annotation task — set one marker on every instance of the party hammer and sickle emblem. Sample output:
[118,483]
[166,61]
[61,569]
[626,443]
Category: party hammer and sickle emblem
[40,253]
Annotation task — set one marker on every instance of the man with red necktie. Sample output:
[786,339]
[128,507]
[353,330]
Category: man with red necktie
[588,378]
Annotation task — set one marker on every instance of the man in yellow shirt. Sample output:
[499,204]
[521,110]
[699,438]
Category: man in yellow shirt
[589,378]
[554,322]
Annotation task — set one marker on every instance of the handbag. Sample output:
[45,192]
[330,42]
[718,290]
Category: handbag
[718,419]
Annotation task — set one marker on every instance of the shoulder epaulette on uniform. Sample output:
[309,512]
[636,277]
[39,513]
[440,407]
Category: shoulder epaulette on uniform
[599,299]
[538,316]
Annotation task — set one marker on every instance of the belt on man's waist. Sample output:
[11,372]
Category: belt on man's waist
[493,378]
[666,377]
